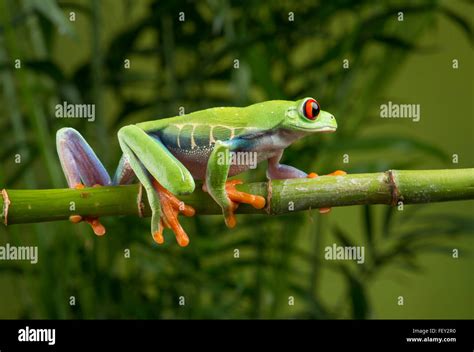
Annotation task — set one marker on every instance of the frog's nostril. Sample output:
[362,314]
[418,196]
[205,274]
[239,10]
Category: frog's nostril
[332,117]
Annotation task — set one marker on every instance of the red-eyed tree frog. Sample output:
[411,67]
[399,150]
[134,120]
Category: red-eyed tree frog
[168,155]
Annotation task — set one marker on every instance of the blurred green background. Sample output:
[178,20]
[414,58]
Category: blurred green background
[191,64]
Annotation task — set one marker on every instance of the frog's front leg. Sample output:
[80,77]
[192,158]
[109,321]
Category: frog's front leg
[162,175]
[223,191]
[277,171]
[280,171]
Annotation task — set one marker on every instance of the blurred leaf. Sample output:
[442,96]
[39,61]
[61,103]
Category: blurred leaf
[392,254]
[439,225]
[408,264]
[459,20]
[49,32]
[121,45]
[314,310]
[403,144]
[46,67]
[357,295]
[394,41]
[369,232]
[388,217]
[50,10]
[412,242]
[11,150]
[342,237]
[82,79]
[77,7]
[20,171]
[130,107]
[439,249]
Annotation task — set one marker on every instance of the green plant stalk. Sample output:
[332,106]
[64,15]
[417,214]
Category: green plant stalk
[10,96]
[283,196]
[13,109]
[26,84]
[97,62]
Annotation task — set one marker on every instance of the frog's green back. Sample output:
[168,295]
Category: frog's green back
[222,123]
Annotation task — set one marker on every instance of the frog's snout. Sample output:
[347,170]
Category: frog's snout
[328,123]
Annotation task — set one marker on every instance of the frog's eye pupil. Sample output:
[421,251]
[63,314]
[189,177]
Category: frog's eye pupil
[311,109]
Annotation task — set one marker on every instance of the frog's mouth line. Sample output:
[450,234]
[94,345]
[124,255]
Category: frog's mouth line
[326,129]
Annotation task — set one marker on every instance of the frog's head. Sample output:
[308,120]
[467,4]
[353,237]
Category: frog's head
[306,115]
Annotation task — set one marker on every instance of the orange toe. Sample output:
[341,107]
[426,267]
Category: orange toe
[171,207]
[230,219]
[170,218]
[258,202]
[185,209]
[312,175]
[75,219]
[181,236]
[337,173]
[158,235]
[97,227]
[324,210]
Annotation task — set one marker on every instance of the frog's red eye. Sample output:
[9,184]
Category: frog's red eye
[311,109]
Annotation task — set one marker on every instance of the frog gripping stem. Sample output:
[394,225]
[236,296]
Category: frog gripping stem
[168,155]
[335,173]
[236,197]
[97,227]
[171,207]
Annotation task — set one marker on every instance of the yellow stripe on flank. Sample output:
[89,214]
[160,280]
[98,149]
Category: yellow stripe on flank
[193,142]
[179,127]
[233,131]
[211,135]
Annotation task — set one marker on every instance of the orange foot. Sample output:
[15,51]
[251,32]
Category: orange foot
[170,209]
[236,197]
[335,173]
[97,227]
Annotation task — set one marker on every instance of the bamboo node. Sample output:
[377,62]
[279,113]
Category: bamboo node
[395,193]
[6,205]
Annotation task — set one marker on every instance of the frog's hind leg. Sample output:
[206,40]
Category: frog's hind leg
[82,168]
[162,176]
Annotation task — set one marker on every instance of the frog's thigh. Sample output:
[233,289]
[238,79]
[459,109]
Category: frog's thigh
[78,161]
[156,159]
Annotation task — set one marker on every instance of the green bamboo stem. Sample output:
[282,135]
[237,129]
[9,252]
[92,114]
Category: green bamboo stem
[283,196]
